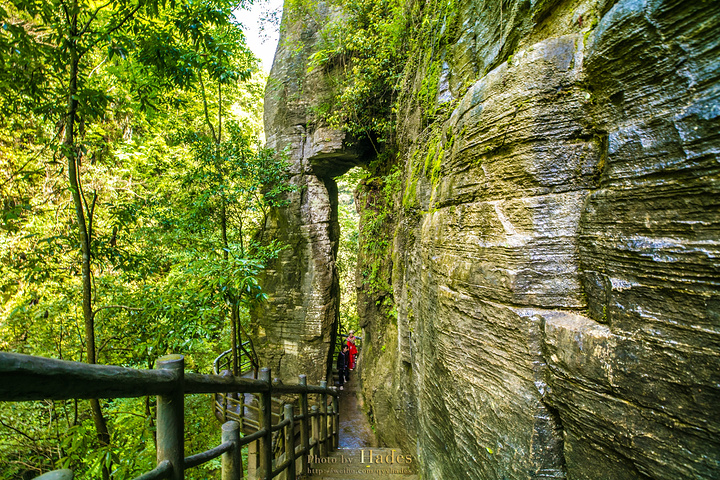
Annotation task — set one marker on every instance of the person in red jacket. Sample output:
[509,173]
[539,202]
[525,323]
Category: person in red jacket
[352,349]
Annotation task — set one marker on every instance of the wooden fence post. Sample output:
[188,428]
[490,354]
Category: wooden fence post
[336,423]
[290,441]
[265,417]
[304,423]
[225,406]
[329,421]
[171,417]
[323,421]
[225,373]
[232,467]
[315,429]
[253,468]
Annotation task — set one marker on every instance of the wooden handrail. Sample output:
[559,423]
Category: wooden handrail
[26,377]
[201,383]
[161,471]
[206,456]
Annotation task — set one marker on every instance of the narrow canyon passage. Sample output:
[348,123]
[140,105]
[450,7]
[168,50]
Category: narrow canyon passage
[355,429]
[358,456]
[537,233]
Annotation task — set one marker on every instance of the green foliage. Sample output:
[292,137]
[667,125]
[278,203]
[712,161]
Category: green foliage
[348,248]
[131,450]
[379,195]
[374,49]
[363,51]
[166,117]
[45,428]
[26,444]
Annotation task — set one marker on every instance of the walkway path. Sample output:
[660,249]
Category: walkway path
[357,458]
[355,430]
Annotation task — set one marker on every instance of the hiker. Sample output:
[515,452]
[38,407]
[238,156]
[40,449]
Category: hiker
[352,349]
[342,365]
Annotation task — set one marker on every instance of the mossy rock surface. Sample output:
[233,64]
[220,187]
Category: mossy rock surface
[545,288]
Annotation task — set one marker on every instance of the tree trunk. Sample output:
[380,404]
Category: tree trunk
[231,301]
[71,152]
[234,344]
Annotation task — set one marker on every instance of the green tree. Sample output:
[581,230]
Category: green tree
[233,186]
[67,34]
[348,218]
[363,53]
[91,90]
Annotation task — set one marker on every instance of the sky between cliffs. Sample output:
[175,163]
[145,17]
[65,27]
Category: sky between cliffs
[261,25]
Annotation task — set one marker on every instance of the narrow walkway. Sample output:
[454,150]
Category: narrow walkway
[355,430]
[358,456]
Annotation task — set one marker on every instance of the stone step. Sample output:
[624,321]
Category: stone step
[366,464]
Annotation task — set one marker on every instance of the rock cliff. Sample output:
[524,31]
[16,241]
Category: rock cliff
[297,326]
[546,300]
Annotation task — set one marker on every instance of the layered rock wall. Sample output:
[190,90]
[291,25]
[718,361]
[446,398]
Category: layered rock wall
[296,328]
[552,301]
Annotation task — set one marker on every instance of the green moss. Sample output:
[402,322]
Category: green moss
[428,93]
[410,195]
[449,144]
[429,158]
[437,163]
[409,199]
[377,233]
[591,27]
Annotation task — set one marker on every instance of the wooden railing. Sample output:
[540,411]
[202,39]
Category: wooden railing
[25,377]
[224,361]
[245,410]
[232,406]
